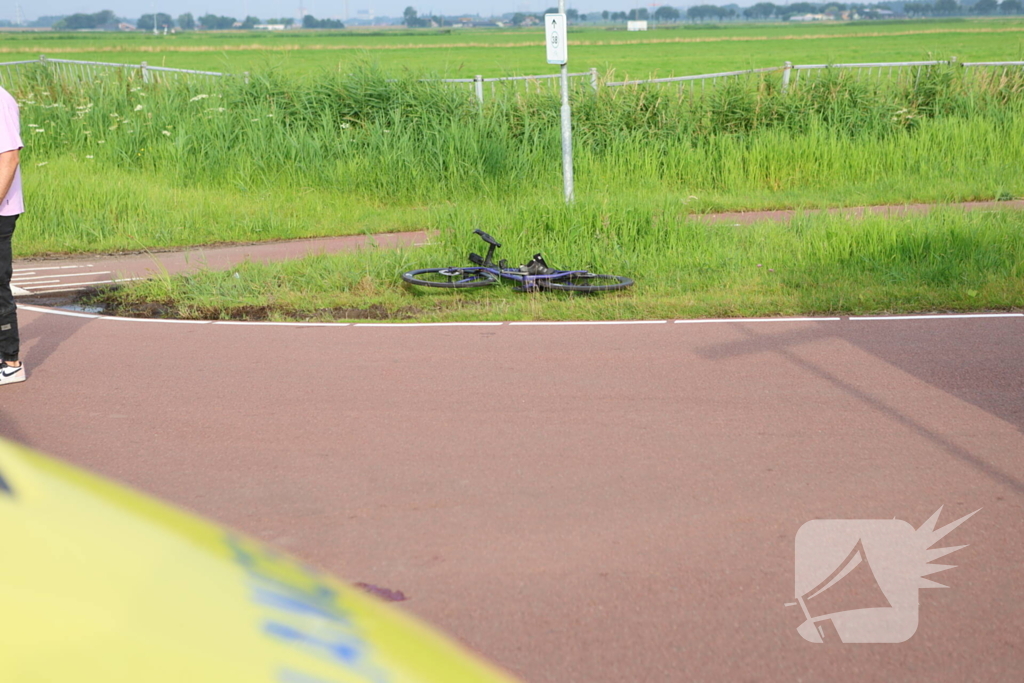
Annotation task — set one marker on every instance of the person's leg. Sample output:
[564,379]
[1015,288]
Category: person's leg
[9,340]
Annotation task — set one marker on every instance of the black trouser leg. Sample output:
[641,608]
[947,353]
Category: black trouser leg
[9,341]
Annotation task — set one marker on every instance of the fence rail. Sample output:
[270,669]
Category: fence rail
[792,74]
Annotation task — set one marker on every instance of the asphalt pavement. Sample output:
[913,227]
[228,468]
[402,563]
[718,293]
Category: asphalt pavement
[593,502]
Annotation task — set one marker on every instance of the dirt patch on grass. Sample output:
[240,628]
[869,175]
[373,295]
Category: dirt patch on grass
[257,313]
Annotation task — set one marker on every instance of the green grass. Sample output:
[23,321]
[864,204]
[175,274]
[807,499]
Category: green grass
[684,268]
[122,166]
[678,50]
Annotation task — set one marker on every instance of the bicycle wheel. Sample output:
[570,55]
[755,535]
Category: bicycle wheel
[451,278]
[586,282]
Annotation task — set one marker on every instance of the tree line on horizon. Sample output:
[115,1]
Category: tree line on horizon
[106,19]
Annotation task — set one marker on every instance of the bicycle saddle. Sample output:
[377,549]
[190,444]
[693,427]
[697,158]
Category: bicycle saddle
[537,266]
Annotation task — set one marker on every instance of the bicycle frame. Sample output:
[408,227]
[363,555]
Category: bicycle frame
[528,282]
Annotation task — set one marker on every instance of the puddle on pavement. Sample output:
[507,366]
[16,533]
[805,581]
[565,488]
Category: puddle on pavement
[65,301]
[79,308]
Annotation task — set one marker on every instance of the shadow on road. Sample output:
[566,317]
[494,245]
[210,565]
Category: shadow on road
[955,366]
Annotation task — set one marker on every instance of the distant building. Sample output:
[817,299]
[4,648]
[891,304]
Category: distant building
[636,25]
[270,27]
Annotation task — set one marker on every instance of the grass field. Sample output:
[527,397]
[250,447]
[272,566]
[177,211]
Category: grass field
[681,50]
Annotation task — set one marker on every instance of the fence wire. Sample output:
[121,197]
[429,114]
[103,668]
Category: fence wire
[787,76]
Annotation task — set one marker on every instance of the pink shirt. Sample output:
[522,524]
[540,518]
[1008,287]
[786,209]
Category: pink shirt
[10,139]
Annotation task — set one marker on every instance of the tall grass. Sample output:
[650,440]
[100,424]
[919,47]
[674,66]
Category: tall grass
[116,164]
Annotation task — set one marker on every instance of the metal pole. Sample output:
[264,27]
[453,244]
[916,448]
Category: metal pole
[566,124]
[786,71]
[478,81]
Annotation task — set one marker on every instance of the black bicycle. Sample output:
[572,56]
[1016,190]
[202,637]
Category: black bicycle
[534,276]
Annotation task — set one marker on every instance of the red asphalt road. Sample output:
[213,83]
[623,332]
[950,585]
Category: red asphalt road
[578,503]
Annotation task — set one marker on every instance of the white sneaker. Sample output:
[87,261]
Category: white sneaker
[10,375]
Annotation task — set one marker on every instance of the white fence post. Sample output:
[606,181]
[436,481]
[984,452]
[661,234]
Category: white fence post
[478,81]
[787,70]
[593,78]
[145,72]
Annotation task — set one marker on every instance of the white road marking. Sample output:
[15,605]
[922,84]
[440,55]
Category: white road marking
[423,324]
[758,320]
[43,277]
[43,309]
[83,285]
[937,316]
[54,291]
[288,324]
[83,265]
[590,322]
[154,320]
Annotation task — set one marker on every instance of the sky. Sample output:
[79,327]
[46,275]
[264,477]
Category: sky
[264,9]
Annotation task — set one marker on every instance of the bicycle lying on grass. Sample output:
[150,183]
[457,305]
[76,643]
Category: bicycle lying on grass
[534,276]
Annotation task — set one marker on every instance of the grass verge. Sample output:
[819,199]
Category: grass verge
[816,265]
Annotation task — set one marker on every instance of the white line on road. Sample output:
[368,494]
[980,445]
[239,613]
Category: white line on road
[154,320]
[82,265]
[83,285]
[54,291]
[758,320]
[43,309]
[938,316]
[290,324]
[69,275]
[422,324]
[591,322]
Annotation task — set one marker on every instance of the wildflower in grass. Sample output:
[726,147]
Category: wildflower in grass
[32,125]
[101,142]
[39,130]
[198,97]
[88,156]
[138,107]
[166,132]
[42,163]
[113,127]
[115,115]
